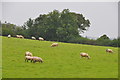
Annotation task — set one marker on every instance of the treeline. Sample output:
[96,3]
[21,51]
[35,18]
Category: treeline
[62,26]
[102,41]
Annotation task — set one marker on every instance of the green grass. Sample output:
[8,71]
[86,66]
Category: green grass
[0,57]
[59,62]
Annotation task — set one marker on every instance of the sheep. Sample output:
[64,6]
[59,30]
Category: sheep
[54,44]
[41,39]
[19,36]
[109,50]
[28,54]
[27,58]
[37,59]
[85,55]
[9,36]
[33,38]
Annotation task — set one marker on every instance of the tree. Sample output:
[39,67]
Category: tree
[58,26]
[103,37]
[104,40]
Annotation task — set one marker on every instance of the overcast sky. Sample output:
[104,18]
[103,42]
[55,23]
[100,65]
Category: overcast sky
[102,15]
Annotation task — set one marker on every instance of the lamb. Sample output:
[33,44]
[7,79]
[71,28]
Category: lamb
[9,36]
[28,54]
[33,38]
[41,39]
[109,50]
[85,55]
[37,59]
[54,44]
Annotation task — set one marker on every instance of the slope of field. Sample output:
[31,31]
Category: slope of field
[0,57]
[59,62]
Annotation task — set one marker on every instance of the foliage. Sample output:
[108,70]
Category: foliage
[104,37]
[58,26]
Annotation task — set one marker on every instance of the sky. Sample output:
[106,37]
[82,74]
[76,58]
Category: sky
[0,10]
[102,15]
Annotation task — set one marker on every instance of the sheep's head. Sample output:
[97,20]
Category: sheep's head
[88,57]
[41,61]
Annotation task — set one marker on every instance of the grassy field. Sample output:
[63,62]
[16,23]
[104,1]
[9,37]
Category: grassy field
[0,57]
[59,62]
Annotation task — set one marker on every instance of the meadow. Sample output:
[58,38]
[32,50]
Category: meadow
[59,62]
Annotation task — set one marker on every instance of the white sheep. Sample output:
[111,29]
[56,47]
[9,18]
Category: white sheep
[41,39]
[9,36]
[37,59]
[54,44]
[28,54]
[109,50]
[85,55]
[19,36]
[33,38]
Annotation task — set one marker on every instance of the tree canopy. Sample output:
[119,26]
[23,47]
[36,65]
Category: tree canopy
[56,25]
[103,37]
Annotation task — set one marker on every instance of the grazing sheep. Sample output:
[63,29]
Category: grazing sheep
[85,55]
[37,59]
[9,36]
[19,36]
[28,54]
[27,58]
[54,44]
[109,50]
[33,38]
[41,39]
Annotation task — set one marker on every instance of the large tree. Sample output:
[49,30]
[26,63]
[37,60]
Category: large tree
[56,25]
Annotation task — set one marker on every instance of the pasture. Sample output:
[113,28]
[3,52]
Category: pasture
[59,62]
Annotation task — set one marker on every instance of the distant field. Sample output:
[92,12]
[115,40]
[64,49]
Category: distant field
[59,62]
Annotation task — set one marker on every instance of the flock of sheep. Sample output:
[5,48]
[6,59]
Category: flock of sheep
[22,37]
[29,55]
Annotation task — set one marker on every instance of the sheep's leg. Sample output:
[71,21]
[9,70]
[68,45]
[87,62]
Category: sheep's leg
[31,60]
[25,60]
